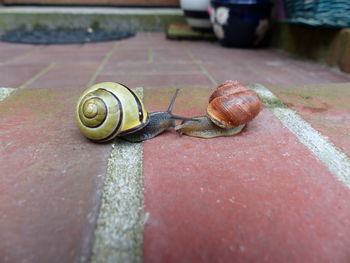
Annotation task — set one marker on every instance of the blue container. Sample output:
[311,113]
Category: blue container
[240,23]
[335,13]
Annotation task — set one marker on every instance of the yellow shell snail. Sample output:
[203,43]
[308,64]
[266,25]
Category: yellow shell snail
[108,110]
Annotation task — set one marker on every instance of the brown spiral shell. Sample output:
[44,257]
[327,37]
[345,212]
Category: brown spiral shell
[233,104]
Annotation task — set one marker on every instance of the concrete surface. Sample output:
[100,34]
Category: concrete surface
[134,19]
[261,196]
[119,230]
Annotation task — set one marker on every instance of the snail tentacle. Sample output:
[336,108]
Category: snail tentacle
[158,123]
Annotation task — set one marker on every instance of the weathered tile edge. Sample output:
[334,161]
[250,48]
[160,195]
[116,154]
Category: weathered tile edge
[119,231]
[336,161]
[5,92]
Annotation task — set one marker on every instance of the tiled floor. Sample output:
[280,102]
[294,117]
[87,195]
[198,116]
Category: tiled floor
[261,196]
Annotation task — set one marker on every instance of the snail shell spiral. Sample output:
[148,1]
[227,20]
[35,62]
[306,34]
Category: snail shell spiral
[109,109]
[233,104]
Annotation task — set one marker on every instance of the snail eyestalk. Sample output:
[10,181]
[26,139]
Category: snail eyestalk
[172,102]
[158,123]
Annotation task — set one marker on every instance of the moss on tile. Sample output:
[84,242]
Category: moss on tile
[5,92]
[273,103]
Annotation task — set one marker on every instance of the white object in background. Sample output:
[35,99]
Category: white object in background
[196,12]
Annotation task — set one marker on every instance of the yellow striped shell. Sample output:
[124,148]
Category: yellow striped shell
[109,109]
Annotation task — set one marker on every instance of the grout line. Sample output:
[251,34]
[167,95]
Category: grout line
[150,55]
[200,66]
[144,62]
[33,50]
[38,75]
[102,65]
[206,72]
[158,73]
[121,219]
[336,161]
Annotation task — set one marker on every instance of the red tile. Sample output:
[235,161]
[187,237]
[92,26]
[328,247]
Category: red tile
[148,40]
[326,107]
[263,65]
[130,55]
[150,68]
[64,54]
[9,51]
[72,75]
[98,46]
[171,55]
[213,53]
[159,40]
[261,196]
[141,39]
[15,75]
[157,80]
[242,72]
[50,179]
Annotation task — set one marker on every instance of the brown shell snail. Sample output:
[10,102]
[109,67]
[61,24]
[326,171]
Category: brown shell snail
[230,107]
[108,110]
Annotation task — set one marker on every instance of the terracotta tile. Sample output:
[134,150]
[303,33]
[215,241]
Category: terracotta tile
[242,72]
[141,39]
[14,75]
[265,66]
[326,107]
[213,53]
[98,46]
[72,75]
[171,55]
[159,40]
[276,72]
[51,179]
[130,55]
[258,196]
[64,54]
[148,40]
[150,68]
[9,51]
[157,80]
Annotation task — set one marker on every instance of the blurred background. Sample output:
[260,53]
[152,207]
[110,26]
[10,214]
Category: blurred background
[314,29]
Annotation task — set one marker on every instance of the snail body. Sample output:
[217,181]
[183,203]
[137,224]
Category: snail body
[158,123]
[230,107]
[203,127]
[108,110]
